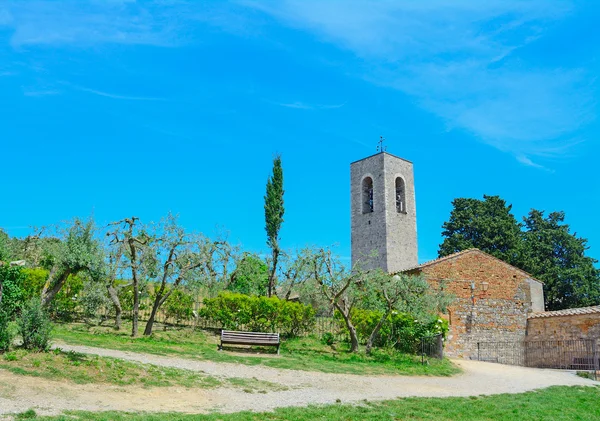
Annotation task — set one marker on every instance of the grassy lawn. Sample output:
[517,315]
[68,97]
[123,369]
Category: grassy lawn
[82,369]
[555,403]
[299,354]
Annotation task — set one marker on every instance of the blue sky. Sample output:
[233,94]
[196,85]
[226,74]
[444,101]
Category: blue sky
[121,108]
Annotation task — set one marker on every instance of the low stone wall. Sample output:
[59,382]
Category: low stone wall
[574,326]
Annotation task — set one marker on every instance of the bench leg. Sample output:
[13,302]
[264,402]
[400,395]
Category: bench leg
[278,349]
[220,347]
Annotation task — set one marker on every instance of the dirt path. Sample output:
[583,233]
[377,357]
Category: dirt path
[19,393]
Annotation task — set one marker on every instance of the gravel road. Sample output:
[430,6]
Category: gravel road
[19,393]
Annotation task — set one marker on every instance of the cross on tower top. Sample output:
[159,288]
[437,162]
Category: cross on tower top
[380,147]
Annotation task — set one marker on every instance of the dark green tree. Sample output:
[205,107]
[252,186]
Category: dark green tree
[555,256]
[486,224]
[274,211]
[5,253]
[250,277]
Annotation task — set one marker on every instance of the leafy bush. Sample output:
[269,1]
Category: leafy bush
[6,335]
[401,330]
[258,314]
[328,338]
[93,300]
[125,292]
[34,282]
[35,327]
[13,296]
[64,305]
[179,306]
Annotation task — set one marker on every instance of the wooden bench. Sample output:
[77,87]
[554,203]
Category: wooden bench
[232,337]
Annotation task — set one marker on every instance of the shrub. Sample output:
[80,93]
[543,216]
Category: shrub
[401,330]
[35,327]
[328,338]
[34,282]
[93,301]
[64,305]
[258,314]
[6,335]
[179,306]
[13,296]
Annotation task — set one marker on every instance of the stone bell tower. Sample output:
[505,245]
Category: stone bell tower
[383,213]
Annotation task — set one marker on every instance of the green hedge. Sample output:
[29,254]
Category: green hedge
[259,314]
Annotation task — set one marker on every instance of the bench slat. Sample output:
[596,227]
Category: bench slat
[235,337]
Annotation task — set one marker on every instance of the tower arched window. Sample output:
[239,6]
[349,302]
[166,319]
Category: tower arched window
[400,195]
[367,195]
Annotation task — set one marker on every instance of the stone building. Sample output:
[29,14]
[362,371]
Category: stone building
[492,299]
[383,213]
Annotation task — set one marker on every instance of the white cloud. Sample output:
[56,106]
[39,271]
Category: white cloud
[460,60]
[164,23]
[40,92]
[306,106]
[115,96]
[71,22]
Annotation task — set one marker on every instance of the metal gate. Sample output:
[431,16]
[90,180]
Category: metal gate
[575,354]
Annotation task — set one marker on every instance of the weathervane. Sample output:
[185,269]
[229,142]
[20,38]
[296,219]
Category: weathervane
[380,147]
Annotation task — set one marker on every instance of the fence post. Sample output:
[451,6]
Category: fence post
[595,357]
[478,355]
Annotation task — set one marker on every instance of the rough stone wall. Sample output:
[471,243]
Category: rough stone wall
[579,326]
[388,233]
[368,229]
[493,313]
[401,227]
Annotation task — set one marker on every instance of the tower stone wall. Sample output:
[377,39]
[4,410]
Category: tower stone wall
[385,237]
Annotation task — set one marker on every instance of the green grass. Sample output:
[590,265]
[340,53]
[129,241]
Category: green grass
[555,403]
[299,354]
[82,369]
[587,375]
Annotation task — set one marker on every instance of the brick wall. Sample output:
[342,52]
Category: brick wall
[577,326]
[492,300]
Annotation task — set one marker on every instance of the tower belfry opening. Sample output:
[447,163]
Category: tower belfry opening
[383,212]
[367,195]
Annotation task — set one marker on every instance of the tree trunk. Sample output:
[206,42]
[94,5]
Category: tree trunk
[351,329]
[273,271]
[136,308]
[374,333]
[114,297]
[52,288]
[1,288]
[158,302]
[150,322]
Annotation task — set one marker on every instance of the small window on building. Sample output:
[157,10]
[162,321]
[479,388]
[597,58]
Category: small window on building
[400,195]
[367,185]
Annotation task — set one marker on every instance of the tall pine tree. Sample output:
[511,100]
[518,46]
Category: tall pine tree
[274,211]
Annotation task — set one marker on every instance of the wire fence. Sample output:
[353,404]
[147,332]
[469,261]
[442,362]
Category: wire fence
[574,354]
[425,347]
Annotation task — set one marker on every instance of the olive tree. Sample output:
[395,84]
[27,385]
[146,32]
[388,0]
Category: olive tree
[412,294]
[340,286]
[129,236]
[76,249]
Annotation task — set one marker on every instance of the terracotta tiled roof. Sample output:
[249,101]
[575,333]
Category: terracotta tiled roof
[441,259]
[468,251]
[568,312]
